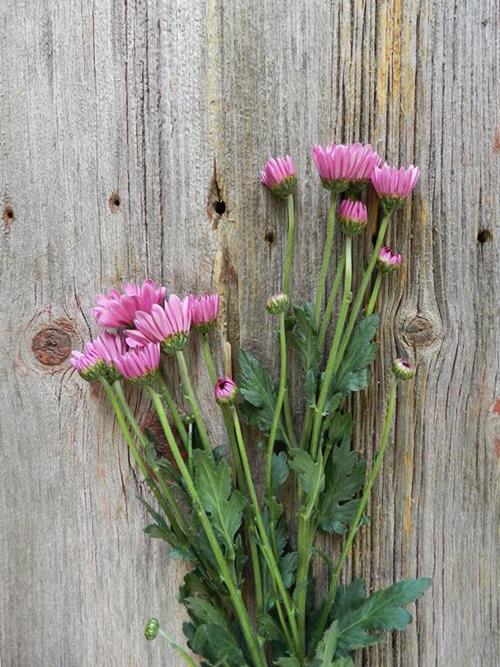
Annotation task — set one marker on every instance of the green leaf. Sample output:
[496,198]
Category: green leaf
[218,645]
[311,476]
[304,338]
[326,647]
[205,612]
[288,662]
[343,662]
[345,475]
[259,393]
[288,567]
[220,500]
[279,471]
[354,373]
[382,611]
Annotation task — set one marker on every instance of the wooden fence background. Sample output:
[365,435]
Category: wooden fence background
[121,124]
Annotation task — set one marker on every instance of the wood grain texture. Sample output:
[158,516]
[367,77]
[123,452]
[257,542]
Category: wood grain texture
[121,123]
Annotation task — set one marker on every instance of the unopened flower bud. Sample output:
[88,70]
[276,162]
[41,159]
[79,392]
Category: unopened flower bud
[353,216]
[225,391]
[277,304]
[151,629]
[388,260]
[403,369]
[280,176]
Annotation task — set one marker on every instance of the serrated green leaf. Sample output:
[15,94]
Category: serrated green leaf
[345,474]
[259,393]
[288,567]
[288,662]
[304,338]
[202,611]
[343,662]
[310,472]
[220,500]
[354,373]
[218,645]
[326,647]
[279,471]
[382,611]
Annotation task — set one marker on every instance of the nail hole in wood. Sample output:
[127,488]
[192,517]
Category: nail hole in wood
[269,237]
[51,346]
[8,214]
[484,235]
[219,207]
[114,202]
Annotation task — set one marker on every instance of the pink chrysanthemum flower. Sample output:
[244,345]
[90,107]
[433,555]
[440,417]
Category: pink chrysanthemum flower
[225,391]
[353,216]
[89,363]
[168,325]
[139,365]
[279,175]
[340,165]
[388,260]
[204,310]
[108,346]
[117,309]
[393,186]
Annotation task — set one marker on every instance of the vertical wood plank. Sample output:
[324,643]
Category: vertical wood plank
[122,123]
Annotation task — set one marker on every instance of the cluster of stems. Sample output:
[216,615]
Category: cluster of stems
[260,525]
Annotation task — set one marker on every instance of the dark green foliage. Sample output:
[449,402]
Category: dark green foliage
[354,372]
[303,336]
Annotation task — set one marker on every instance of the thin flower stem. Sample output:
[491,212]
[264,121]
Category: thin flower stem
[182,652]
[179,425]
[228,422]
[170,507]
[248,631]
[290,430]
[266,545]
[374,295]
[334,578]
[277,409]
[303,549]
[358,302]
[325,264]
[328,374]
[289,243]
[188,388]
[331,302]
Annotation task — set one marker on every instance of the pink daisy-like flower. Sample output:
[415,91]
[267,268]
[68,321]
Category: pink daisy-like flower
[168,325]
[393,185]
[139,365]
[204,310]
[279,175]
[89,363]
[353,216]
[388,260]
[108,346]
[339,165]
[117,309]
[225,391]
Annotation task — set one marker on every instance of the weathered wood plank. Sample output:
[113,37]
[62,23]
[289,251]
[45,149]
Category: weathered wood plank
[113,114]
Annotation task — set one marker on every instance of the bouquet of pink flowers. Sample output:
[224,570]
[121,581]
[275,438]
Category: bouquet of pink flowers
[249,588]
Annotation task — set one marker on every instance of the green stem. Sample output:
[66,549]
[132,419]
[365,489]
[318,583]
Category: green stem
[289,244]
[277,409]
[331,302]
[182,652]
[374,295]
[170,507]
[303,549]
[234,592]
[334,578]
[179,425]
[228,422]
[328,374]
[188,388]
[323,274]
[358,302]
[266,545]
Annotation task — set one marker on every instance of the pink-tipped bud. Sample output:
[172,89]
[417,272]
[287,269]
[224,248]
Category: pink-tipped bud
[340,165]
[279,175]
[393,185]
[139,365]
[403,369]
[225,391]
[353,216]
[388,260]
[204,310]
[277,304]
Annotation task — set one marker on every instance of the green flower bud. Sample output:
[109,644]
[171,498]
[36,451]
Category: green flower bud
[277,304]
[403,370]
[151,629]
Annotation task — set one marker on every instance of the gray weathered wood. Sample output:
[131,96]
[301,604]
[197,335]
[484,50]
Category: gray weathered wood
[165,104]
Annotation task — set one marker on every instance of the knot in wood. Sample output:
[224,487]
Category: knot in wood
[51,345]
[421,330]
